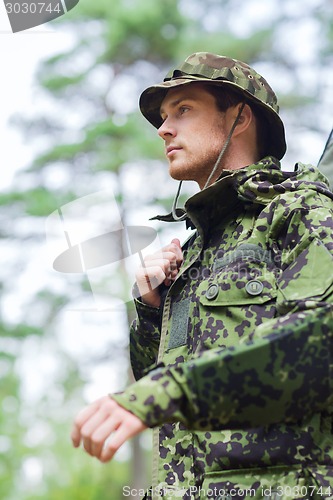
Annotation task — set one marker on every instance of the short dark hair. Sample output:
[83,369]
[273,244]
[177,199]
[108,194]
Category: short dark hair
[226,98]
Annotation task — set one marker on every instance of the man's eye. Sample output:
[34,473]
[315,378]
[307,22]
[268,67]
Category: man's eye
[183,109]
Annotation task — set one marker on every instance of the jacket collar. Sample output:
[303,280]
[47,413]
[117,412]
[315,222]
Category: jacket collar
[222,196]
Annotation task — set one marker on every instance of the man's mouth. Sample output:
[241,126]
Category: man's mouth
[171,149]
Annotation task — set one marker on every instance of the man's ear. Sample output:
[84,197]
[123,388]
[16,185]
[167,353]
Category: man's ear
[245,119]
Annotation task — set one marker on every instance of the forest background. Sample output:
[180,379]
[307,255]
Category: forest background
[96,166]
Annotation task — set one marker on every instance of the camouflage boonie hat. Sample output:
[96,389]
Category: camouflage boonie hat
[220,70]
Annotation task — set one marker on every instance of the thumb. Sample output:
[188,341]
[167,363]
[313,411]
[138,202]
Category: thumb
[176,242]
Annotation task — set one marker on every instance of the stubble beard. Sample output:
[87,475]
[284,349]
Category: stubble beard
[195,168]
[197,165]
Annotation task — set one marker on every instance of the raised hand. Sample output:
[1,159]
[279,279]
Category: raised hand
[162,266]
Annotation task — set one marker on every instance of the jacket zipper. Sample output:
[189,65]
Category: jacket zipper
[165,317]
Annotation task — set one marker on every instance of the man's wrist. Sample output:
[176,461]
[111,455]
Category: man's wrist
[155,399]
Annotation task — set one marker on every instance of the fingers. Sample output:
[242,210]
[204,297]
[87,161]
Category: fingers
[127,429]
[80,420]
[93,440]
[99,438]
[178,250]
[167,259]
[161,267]
[173,253]
[95,424]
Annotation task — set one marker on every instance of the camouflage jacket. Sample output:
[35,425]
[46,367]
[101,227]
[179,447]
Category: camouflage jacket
[234,371]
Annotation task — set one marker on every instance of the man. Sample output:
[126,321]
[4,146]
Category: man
[232,344]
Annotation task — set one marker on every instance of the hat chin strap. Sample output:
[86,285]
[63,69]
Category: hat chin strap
[223,150]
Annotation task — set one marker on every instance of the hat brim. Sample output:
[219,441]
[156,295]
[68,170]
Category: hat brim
[152,98]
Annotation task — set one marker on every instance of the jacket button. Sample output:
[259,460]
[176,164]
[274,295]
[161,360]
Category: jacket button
[212,292]
[254,287]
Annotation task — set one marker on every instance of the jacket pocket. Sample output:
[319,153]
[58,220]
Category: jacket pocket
[240,283]
[234,302]
[309,276]
[268,483]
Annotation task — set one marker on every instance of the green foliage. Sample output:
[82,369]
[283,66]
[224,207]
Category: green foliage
[60,82]
[131,28]
[246,49]
[23,330]
[38,202]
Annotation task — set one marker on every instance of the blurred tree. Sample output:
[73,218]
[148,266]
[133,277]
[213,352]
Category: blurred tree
[90,136]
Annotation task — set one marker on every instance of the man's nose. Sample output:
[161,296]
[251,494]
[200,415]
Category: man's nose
[166,129]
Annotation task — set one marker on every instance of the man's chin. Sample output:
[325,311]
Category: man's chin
[179,173]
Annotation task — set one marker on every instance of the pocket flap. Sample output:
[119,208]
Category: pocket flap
[244,283]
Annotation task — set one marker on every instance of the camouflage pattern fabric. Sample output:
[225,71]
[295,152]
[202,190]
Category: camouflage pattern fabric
[234,371]
[222,71]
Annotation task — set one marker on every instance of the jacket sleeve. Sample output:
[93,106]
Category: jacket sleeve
[283,374]
[144,338]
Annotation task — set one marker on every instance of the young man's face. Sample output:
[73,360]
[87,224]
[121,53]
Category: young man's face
[193,131]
